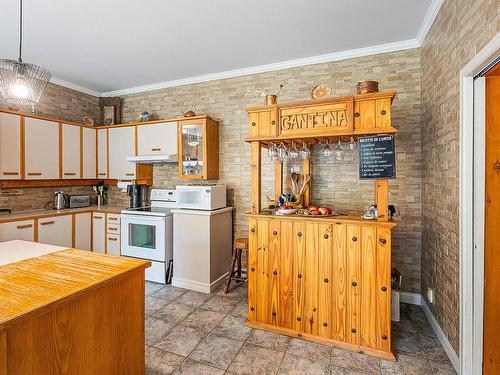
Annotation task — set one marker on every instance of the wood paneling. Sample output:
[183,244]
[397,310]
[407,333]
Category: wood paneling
[262,269]
[286,276]
[339,282]
[274,270]
[253,246]
[256,178]
[368,314]
[383,289]
[311,281]
[299,249]
[325,280]
[353,250]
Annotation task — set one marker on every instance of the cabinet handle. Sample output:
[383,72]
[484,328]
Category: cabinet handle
[354,238]
[299,276]
[273,122]
[109,228]
[102,174]
[357,114]
[112,218]
[354,283]
[69,174]
[252,230]
[48,222]
[34,173]
[98,217]
[353,330]
[275,272]
[252,309]
[156,149]
[325,236]
[299,319]
[384,289]
[299,234]
[253,124]
[275,233]
[112,239]
[274,313]
[10,173]
[252,269]
[384,337]
[325,324]
[383,112]
[383,241]
[24,226]
[325,279]
[129,174]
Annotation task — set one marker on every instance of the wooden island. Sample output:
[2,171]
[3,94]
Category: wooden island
[325,279]
[71,312]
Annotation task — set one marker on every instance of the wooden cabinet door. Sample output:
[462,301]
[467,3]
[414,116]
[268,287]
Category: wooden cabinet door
[112,244]
[70,151]
[368,336]
[383,113]
[56,230]
[263,295]
[17,230]
[286,277]
[10,147]
[325,273]
[83,231]
[299,250]
[121,143]
[102,153]
[311,281]
[41,149]
[160,138]
[263,123]
[89,153]
[253,124]
[353,253]
[99,232]
[273,271]
[252,269]
[383,289]
[340,282]
[365,114]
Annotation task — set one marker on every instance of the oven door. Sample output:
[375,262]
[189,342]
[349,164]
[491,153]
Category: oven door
[143,237]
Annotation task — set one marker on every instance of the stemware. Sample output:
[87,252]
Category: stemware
[272,151]
[327,150]
[352,144]
[293,153]
[282,153]
[305,153]
[339,151]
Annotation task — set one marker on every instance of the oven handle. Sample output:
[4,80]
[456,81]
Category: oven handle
[137,219]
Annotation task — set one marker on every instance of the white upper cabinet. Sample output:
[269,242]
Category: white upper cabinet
[41,149]
[102,153]
[160,138]
[70,151]
[121,145]
[89,153]
[10,147]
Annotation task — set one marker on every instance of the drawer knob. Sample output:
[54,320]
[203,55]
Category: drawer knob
[325,236]
[354,283]
[275,233]
[357,114]
[353,330]
[354,238]
[252,309]
[383,112]
[325,279]
[384,337]
[274,313]
[252,269]
[384,289]
[252,230]
[299,234]
[325,324]
[273,122]
[275,272]
[299,319]
[383,241]
[299,276]
[253,123]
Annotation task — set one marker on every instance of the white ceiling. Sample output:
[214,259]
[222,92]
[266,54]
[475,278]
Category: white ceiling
[120,44]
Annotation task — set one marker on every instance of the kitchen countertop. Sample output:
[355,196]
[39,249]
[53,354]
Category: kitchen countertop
[36,214]
[18,250]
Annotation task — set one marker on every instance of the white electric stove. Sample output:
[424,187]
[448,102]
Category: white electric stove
[146,233]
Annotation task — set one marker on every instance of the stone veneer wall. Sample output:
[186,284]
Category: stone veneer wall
[461,29]
[333,183]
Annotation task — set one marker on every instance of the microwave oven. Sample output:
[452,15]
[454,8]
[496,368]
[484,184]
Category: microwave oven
[199,197]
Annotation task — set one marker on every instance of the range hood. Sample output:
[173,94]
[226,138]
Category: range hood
[153,159]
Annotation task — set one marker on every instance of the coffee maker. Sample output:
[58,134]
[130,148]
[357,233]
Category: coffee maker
[137,194]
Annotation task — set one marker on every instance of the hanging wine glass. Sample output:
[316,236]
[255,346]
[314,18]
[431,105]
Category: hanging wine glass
[293,153]
[305,153]
[282,152]
[272,151]
[339,151]
[327,150]
[352,144]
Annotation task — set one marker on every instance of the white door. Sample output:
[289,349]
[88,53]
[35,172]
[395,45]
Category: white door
[17,230]
[121,145]
[98,232]
[89,153]
[70,151]
[160,138]
[83,231]
[10,146]
[41,149]
[102,153]
[56,230]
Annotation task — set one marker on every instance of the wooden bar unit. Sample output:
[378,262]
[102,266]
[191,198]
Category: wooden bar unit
[324,279]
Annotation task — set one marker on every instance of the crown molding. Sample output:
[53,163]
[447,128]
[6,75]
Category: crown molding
[74,86]
[430,16]
[336,56]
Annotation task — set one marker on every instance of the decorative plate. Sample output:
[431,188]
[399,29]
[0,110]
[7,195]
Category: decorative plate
[321,90]
[88,120]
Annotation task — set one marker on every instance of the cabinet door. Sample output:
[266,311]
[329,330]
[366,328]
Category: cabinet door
[83,231]
[286,276]
[383,113]
[17,230]
[10,147]
[102,153]
[383,289]
[56,230]
[192,149]
[70,151]
[364,114]
[121,145]
[41,149]
[98,232]
[368,315]
[299,248]
[263,123]
[273,271]
[263,299]
[112,244]
[252,269]
[353,250]
[340,282]
[89,153]
[158,138]
[311,281]
[325,269]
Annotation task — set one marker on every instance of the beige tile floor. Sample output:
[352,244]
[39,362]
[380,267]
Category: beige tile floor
[193,333]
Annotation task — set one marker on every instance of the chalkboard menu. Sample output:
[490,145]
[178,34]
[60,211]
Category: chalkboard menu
[377,157]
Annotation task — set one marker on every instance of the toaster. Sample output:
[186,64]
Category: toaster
[76,201]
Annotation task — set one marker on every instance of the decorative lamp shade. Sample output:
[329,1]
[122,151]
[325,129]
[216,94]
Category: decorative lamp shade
[21,83]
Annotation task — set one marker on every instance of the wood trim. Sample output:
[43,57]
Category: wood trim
[278,180]
[107,153]
[35,229]
[60,151]
[22,148]
[10,184]
[73,230]
[255,178]
[136,142]
[81,153]
[340,219]
[306,171]
[92,231]
[105,234]
[3,353]
[96,154]
[382,199]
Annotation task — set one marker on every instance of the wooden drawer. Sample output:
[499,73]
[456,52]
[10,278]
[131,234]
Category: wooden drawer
[113,218]
[113,228]
[113,244]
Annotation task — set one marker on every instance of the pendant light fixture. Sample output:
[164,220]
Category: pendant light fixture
[22,83]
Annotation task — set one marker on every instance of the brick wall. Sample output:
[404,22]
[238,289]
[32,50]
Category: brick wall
[334,183]
[460,30]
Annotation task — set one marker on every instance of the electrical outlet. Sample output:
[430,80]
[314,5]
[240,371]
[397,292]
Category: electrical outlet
[431,295]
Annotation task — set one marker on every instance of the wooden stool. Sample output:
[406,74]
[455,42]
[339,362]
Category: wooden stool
[239,245]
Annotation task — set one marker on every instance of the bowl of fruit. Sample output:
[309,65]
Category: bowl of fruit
[316,211]
[286,209]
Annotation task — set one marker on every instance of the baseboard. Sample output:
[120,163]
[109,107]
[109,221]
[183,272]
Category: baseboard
[411,298]
[198,286]
[455,361]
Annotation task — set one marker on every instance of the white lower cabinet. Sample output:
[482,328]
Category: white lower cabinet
[17,230]
[113,244]
[82,231]
[99,232]
[56,230]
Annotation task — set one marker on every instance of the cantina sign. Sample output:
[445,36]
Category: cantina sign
[308,120]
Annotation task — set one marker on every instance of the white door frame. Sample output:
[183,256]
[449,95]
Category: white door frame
[471,226]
